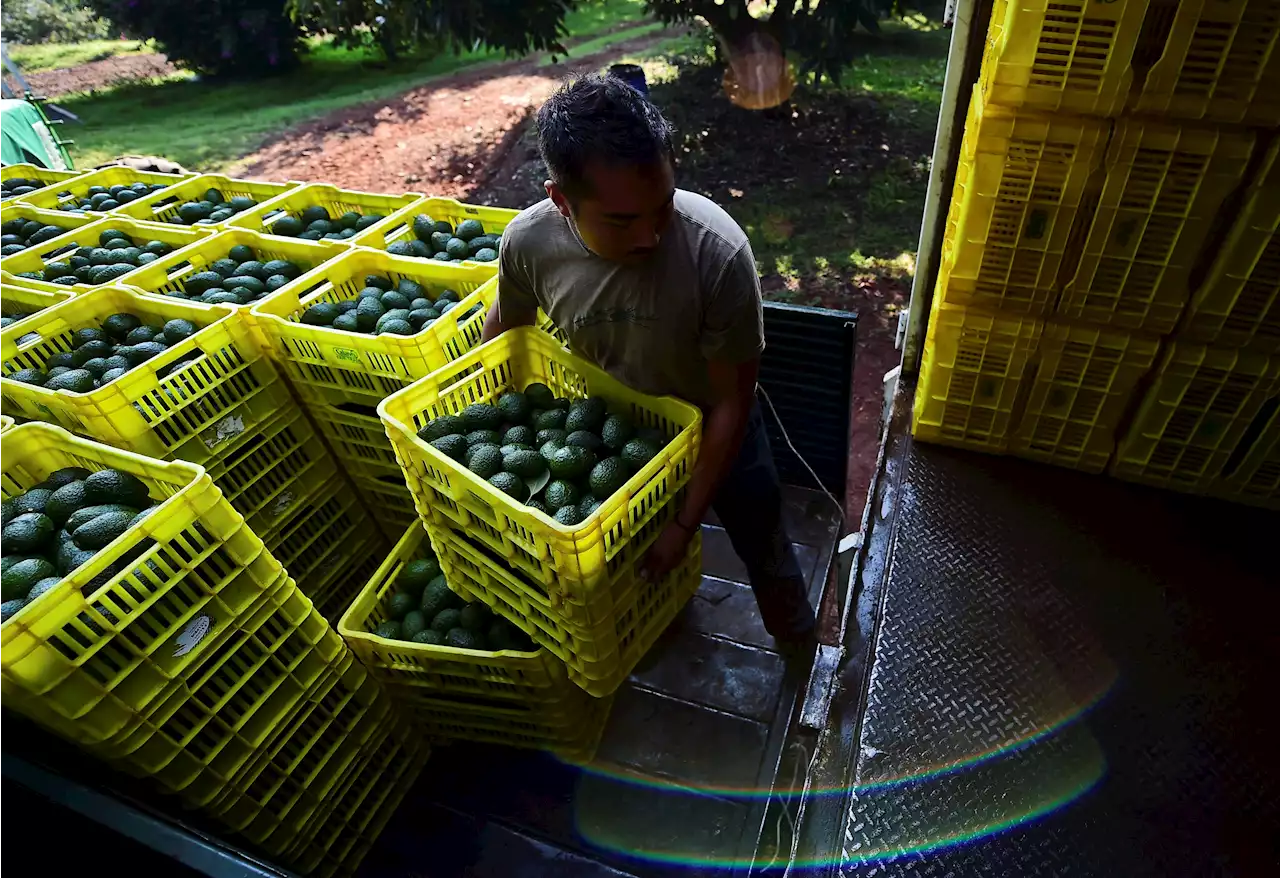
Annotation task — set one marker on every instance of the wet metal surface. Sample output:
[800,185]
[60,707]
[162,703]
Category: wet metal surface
[683,773]
[1069,676]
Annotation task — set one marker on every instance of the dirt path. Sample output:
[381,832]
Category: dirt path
[99,74]
[441,138]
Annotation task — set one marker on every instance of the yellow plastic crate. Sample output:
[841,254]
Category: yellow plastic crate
[167,274]
[1238,305]
[970,376]
[321,536]
[494,219]
[260,472]
[1252,473]
[233,703]
[1163,188]
[341,832]
[68,221]
[336,201]
[192,414]
[1212,60]
[75,187]
[1084,381]
[601,642]
[400,359]
[1069,56]
[571,561]
[91,654]
[521,699]
[48,176]
[357,437]
[20,300]
[35,259]
[162,207]
[284,787]
[1020,183]
[1200,418]
[389,503]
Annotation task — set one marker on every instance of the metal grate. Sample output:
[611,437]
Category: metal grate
[807,370]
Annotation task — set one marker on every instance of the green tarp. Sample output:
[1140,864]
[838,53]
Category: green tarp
[25,137]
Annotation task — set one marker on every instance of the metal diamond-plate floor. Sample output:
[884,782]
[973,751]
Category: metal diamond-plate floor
[1068,675]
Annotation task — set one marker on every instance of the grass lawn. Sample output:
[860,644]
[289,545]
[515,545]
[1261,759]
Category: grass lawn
[51,56]
[209,125]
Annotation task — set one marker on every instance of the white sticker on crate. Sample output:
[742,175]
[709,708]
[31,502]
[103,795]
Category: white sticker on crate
[228,428]
[282,504]
[197,630]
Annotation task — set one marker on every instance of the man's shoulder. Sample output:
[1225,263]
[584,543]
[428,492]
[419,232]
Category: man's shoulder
[709,221]
[536,218]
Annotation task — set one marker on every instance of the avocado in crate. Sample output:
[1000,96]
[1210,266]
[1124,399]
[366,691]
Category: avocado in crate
[212,207]
[387,306]
[134,595]
[423,609]
[20,186]
[25,179]
[559,457]
[19,303]
[440,240]
[104,198]
[19,233]
[101,354]
[169,379]
[58,525]
[315,223]
[239,278]
[117,254]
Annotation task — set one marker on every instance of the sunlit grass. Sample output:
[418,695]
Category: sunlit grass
[211,124]
[51,56]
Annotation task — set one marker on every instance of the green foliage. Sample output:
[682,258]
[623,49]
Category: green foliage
[827,36]
[50,21]
[395,25]
[230,37]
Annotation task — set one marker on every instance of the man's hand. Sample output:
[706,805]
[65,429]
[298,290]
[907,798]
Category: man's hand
[723,425]
[666,552]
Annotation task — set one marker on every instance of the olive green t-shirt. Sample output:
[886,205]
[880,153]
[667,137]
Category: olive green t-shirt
[654,325]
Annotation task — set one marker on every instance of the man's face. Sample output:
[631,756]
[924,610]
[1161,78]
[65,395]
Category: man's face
[625,210]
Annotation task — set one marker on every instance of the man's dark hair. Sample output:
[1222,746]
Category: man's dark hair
[601,118]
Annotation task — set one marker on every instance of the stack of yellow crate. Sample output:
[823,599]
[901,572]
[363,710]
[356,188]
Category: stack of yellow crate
[183,653]
[1095,246]
[228,409]
[576,590]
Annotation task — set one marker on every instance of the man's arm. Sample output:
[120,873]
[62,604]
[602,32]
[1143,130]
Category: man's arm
[500,319]
[516,304]
[733,387]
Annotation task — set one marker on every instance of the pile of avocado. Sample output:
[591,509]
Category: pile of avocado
[17,235]
[101,355]
[315,223]
[15,186]
[239,278]
[422,609]
[60,524]
[115,256]
[213,207]
[104,198]
[563,458]
[384,305]
[438,240]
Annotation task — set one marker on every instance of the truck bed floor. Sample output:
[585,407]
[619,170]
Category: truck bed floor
[1065,675]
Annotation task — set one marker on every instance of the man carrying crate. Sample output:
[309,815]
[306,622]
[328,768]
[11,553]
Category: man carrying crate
[657,286]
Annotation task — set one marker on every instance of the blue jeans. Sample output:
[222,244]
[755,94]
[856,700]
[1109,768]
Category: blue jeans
[749,505]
